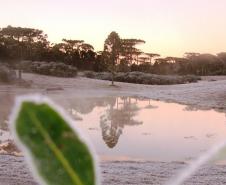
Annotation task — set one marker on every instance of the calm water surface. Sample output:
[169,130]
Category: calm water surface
[129,128]
[126,128]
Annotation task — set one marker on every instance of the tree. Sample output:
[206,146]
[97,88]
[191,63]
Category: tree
[161,66]
[190,55]
[57,52]
[86,47]
[152,55]
[101,62]
[72,45]
[88,56]
[222,56]
[112,46]
[129,49]
[3,47]
[20,42]
[72,49]
[79,53]
[206,64]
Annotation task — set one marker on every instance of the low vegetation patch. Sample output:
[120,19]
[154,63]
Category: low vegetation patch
[49,68]
[144,78]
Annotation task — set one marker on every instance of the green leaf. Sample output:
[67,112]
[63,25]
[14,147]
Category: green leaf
[58,154]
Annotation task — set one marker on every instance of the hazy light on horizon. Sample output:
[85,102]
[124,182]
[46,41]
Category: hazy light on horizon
[170,28]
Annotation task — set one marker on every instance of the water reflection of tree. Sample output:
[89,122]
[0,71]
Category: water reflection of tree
[190,108]
[86,105]
[115,118]
[6,104]
[149,106]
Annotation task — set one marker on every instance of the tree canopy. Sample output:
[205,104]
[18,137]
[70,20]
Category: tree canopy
[119,54]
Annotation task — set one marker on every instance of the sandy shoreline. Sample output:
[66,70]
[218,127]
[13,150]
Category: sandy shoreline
[206,94]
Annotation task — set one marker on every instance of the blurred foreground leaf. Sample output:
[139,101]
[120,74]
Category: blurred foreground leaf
[58,154]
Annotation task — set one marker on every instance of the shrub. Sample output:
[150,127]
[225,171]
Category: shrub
[144,78]
[50,68]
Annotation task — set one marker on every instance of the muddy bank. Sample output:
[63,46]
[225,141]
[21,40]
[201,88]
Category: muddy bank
[13,171]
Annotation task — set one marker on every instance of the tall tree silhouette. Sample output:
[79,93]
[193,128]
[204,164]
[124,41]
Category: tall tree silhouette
[112,46]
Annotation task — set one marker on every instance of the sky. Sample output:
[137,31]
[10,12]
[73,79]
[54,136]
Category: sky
[169,27]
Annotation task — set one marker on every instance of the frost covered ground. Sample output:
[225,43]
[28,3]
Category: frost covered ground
[13,171]
[206,94]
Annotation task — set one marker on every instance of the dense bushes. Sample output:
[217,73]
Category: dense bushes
[144,78]
[49,68]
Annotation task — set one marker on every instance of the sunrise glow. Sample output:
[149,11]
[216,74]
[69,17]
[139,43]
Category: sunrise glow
[168,27]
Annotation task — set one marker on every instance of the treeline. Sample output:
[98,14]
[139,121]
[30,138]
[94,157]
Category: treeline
[119,54]
[18,44]
[191,63]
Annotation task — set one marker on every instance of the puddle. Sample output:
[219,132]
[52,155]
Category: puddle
[126,128]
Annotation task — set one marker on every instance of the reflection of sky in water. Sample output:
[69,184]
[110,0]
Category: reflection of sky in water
[130,128]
